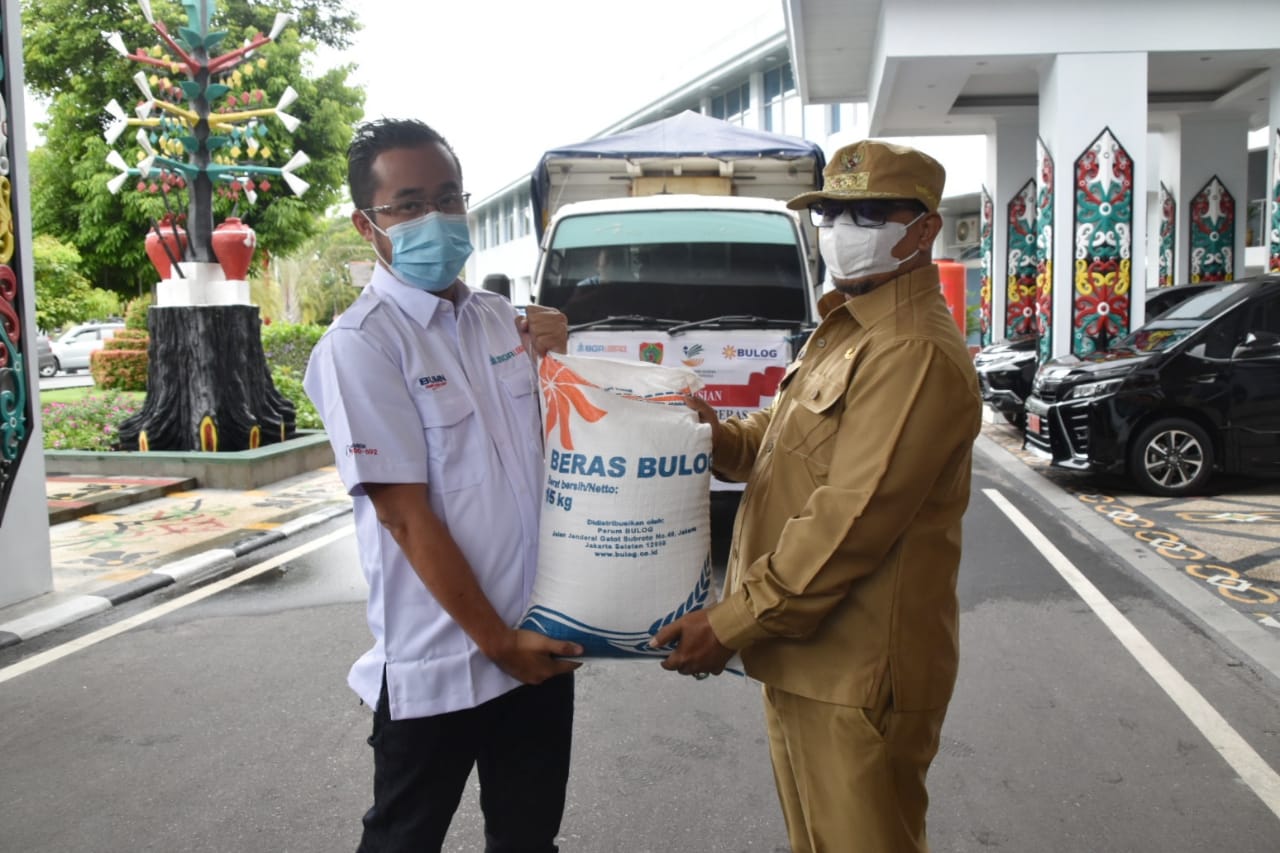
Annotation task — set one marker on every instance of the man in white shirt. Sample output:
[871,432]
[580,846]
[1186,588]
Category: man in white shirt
[427,390]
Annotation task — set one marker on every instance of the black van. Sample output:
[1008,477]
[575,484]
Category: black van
[1194,391]
[1007,369]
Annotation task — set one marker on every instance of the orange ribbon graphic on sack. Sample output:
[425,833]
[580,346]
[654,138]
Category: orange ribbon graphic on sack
[562,396]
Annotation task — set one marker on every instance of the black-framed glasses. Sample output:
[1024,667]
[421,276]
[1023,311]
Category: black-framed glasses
[865,213]
[412,208]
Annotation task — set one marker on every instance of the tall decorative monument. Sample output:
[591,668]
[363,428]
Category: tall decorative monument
[201,132]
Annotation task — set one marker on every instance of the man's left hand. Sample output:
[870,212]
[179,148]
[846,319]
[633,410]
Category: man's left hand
[698,652]
[544,329]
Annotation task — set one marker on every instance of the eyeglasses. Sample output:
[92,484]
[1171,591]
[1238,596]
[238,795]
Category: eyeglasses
[865,213]
[412,208]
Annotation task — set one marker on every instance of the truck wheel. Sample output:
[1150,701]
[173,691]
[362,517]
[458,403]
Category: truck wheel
[1171,457]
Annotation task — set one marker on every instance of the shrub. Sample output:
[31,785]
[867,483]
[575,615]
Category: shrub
[92,423]
[135,313]
[290,344]
[289,383]
[121,364]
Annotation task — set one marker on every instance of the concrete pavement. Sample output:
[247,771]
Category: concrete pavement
[116,538]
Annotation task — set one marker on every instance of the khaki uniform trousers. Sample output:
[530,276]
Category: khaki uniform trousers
[851,780]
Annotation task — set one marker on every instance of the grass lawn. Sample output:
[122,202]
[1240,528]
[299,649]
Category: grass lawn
[75,395]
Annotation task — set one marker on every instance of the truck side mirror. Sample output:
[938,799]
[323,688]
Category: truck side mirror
[498,283]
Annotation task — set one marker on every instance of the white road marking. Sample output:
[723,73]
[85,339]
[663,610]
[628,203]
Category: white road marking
[80,643]
[1253,771]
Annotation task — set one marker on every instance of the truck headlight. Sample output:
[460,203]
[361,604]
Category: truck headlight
[1094,389]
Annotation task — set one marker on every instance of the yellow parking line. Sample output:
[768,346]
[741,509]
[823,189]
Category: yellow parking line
[93,518]
[261,525]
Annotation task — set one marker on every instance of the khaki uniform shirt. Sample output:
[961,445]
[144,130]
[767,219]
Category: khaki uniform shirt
[842,571]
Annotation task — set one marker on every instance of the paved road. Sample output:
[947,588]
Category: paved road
[225,725]
[66,380]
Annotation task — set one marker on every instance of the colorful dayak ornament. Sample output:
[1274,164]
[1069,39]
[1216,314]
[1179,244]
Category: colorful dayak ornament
[179,131]
[209,387]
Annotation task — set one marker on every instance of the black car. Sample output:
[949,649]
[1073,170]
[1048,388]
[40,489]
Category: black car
[1006,369]
[1194,391]
[1005,372]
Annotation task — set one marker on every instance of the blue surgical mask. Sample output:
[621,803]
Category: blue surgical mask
[430,251]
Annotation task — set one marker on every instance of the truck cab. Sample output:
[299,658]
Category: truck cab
[718,284]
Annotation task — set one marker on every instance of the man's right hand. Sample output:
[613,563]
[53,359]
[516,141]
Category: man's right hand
[532,658]
[706,415]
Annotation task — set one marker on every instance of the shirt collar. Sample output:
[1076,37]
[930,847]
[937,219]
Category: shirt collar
[871,307]
[417,304]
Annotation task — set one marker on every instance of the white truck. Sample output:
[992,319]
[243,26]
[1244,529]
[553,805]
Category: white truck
[671,243]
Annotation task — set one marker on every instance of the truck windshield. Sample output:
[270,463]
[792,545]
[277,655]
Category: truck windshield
[686,265]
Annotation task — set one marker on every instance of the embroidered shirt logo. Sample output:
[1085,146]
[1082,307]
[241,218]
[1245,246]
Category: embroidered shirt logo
[361,450]
[506,356]
[432,383]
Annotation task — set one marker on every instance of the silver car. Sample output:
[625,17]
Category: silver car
[71,350]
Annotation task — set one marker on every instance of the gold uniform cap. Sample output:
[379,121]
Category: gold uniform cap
[872,169]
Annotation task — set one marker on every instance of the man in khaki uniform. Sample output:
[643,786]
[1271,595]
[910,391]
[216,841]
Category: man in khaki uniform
[841,585]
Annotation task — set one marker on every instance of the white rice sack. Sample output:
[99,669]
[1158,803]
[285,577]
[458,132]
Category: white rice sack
[625,538]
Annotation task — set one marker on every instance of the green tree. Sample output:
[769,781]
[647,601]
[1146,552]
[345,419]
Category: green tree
[77,70]
[63,295]
[315,280]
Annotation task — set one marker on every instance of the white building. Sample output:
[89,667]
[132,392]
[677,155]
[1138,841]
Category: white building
[1124,126]
[754,87]
[1010,97]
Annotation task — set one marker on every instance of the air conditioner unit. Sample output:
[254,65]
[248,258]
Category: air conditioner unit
[966,231]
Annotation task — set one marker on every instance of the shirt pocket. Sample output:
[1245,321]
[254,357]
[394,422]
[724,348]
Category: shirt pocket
[457,455]
[808,431]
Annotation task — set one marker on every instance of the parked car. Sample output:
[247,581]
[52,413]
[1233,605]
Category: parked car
[1006,369]
[72,349]
[1196,390]
[1005,372]
[46,361]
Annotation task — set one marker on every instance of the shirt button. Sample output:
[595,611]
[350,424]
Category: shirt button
[768,446]
[822,342]
[817,394]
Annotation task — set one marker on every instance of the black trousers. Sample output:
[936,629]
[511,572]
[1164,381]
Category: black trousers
[519,743]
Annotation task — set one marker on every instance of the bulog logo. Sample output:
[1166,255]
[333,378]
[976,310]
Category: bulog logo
[731,352]
[431,383]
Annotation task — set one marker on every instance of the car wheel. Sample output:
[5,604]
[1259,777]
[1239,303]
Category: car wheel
[1171,457]
[1014,418]
[49,369]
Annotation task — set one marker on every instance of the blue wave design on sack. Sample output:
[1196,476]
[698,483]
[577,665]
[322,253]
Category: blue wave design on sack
[603,642]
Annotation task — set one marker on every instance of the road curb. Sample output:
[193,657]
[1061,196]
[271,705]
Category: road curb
[200,567]
[1213,615]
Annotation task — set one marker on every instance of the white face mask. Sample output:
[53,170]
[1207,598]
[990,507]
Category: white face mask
[851,251]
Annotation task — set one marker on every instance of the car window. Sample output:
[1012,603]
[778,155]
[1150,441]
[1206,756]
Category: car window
[1265,317]
[1208,304]
[1157,336]
[1221,337]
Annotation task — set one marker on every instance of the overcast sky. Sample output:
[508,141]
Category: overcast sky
[504,80]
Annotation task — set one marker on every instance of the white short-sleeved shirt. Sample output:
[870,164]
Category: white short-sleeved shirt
[415,389]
